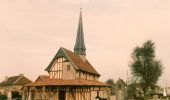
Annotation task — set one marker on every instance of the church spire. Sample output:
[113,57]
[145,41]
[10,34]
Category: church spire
[79,47]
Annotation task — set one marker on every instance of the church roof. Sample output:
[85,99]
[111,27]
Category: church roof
[16,80]
[75,60]
[74,82]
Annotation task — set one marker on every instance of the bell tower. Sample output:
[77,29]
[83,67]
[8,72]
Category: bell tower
[79,47]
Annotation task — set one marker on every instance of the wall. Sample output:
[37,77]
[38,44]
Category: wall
[72,93]
[68,73]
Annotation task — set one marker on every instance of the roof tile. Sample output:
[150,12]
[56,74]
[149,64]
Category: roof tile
[82,65]
[74,82]
[16,80]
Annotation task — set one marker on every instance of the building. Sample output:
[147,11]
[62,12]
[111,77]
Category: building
[121,90]
[11,86]
[71,76]
[42,78]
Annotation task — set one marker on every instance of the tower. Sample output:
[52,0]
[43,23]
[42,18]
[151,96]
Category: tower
[79,47]
[70,76]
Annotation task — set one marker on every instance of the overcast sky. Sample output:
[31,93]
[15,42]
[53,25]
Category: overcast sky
[32,31]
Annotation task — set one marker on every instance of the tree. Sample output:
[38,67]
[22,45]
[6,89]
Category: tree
[112,84]
[144,67]
[3,96]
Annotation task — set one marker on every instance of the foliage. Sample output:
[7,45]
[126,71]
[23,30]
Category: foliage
[3,96]
[131,90]
[145,67]
[112,84]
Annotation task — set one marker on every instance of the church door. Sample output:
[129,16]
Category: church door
[62,94]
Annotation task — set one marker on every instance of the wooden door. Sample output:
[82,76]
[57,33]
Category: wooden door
[62,95]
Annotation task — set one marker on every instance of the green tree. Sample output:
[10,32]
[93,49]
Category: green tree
[3,96]
[144,67]
[112,84]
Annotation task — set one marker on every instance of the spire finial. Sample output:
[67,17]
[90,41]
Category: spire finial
[80,10]
[79,47]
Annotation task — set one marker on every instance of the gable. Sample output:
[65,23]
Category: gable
[42,77]
[9,81]
[75,60]
[22,81]
[60,53]
[16,80]
[120,83]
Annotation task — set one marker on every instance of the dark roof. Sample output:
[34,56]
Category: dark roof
[76,61]
[74,82]
[82,65]
[16,80]
[42,77]
[79,47]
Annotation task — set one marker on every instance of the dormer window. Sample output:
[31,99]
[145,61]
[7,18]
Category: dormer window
[57,69]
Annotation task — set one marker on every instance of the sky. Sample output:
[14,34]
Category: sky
[32,31]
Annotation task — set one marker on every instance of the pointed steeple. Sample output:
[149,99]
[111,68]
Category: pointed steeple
[79,47]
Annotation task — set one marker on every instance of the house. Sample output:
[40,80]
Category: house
[71,76]
[42,78]
[11,86]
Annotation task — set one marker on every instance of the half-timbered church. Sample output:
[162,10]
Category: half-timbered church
[71,76]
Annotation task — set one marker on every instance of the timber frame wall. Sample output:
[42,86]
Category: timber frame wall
[71,92]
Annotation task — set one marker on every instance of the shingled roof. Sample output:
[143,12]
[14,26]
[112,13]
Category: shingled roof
[16,80]
[42,77]
[60,82]
[80,48]
[75,60]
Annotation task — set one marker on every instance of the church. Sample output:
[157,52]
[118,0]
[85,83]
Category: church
[71,76]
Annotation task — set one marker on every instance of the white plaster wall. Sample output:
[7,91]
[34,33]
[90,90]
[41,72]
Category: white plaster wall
[68,74]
